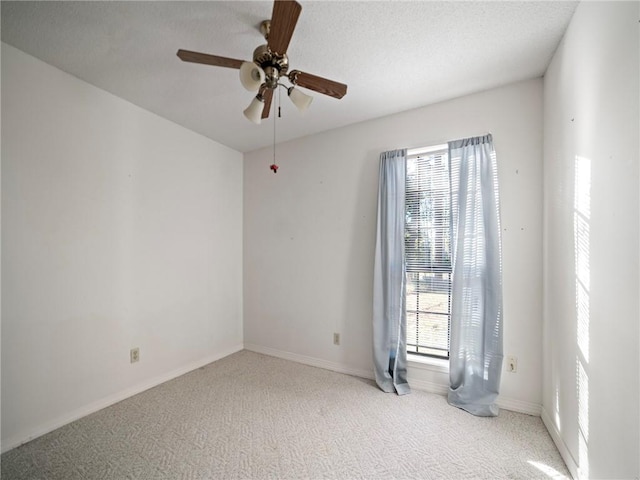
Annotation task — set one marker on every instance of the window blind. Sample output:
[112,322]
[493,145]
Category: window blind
[428,253]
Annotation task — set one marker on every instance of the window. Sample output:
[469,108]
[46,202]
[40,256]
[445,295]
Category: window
[428,252]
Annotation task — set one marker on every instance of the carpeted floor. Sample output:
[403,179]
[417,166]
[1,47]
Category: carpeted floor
[252,416]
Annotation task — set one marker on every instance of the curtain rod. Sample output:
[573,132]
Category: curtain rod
[421,150]
[436,148]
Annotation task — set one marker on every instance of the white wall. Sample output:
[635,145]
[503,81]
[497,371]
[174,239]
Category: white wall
[309,234]
[591,119]
[120,230]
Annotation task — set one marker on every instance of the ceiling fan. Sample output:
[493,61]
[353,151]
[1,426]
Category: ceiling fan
[270,64]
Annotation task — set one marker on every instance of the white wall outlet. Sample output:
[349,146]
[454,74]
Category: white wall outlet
[512,364]
[336,339]
[135,355]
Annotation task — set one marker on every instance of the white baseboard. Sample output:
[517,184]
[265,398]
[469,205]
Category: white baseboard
[311,361]
[62,420]
[431,387]
[512,404]
[521,406]
[572,465]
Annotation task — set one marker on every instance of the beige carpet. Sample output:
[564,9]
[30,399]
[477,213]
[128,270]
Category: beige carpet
[253,416]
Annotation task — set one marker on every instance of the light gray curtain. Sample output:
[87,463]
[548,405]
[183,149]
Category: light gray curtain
[475,362]
[389,312]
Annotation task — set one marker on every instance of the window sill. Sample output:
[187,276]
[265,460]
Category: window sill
[438,365]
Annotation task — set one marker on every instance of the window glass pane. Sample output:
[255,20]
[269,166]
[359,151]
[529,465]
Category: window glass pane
[428,292]
[428,334]
[428,254]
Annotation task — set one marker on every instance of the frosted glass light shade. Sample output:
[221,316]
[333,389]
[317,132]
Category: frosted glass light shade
[299,99]
[254,111]
[251,76]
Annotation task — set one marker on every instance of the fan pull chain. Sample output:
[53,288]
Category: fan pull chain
[273,167]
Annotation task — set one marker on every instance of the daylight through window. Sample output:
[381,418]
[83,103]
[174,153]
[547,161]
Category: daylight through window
[428,252]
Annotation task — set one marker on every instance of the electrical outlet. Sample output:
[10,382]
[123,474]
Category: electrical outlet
[512,364]
[336,339]
[135,355]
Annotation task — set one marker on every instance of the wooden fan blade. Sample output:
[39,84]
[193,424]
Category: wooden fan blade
[206,59]
[267,95]
[283,22]
[318,84]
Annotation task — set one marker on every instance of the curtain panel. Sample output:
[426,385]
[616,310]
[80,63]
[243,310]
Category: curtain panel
[475,361]
[389,287]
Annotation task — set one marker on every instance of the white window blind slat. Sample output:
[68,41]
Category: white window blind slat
[428,253]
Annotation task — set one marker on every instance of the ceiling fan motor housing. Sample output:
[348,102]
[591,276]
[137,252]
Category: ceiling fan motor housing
[274,65]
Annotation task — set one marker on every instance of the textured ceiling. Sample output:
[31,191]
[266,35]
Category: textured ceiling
[393,55]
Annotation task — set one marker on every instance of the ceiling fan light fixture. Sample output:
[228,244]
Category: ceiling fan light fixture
[251,76]
[299,99]
[254,111]
[270,64]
